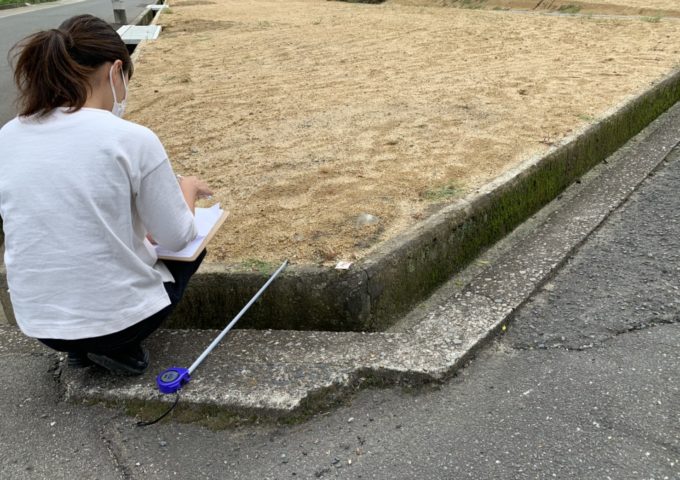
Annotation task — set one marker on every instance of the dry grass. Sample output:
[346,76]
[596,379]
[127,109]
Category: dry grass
[305,114]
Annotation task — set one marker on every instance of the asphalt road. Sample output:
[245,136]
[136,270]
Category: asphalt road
[16,24]
[584,384]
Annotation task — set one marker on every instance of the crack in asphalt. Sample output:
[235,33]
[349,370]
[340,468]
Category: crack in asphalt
[652,322]
[637,434]
[113,447]
[613,334]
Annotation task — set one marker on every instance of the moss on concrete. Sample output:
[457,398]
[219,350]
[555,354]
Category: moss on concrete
[207,416]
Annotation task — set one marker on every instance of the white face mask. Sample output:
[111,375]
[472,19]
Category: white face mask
[118,107]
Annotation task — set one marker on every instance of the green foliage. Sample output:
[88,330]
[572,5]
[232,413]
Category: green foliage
[258,265]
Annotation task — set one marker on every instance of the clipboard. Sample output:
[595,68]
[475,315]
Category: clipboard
[208,222]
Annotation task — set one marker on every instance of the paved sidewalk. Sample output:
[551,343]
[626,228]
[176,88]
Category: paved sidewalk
[584,384]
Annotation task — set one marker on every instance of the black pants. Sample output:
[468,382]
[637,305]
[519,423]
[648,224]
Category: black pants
[131,337]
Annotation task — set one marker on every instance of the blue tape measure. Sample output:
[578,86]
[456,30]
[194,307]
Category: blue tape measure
[172,379]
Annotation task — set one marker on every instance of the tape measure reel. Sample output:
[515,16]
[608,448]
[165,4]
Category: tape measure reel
[172,379]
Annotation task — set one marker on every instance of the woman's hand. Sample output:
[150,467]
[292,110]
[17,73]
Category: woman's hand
[193,188]
[199,186]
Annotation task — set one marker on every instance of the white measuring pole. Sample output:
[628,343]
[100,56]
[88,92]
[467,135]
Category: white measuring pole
[236,319]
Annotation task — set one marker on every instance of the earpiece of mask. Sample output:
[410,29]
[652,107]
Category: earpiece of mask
[118,107]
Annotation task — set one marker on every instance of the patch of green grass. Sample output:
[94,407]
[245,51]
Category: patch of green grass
[472,4]
[586,118]
[651,19]
[569,9]
[441,193]
[258,265]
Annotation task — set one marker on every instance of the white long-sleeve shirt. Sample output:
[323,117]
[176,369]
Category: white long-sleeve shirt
[78,194]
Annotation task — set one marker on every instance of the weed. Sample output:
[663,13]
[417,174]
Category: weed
[472,4]
[569,9]
[258,265]
[651,19]
[586,117]
[441,193]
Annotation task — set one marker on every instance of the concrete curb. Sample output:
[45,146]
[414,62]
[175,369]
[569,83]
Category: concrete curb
[404,270]
[288,374]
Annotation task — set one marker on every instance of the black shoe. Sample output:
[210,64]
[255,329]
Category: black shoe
[132,362]
[78,360]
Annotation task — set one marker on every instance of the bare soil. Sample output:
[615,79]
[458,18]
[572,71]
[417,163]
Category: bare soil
[305,114]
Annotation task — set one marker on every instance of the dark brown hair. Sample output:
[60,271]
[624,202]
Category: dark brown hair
[53,67]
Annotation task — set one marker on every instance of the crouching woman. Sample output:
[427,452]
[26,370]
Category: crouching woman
[81,189]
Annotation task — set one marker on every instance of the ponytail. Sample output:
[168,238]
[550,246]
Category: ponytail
[54,67]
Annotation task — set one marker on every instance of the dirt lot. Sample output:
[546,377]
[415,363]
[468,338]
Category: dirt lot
[306,114]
